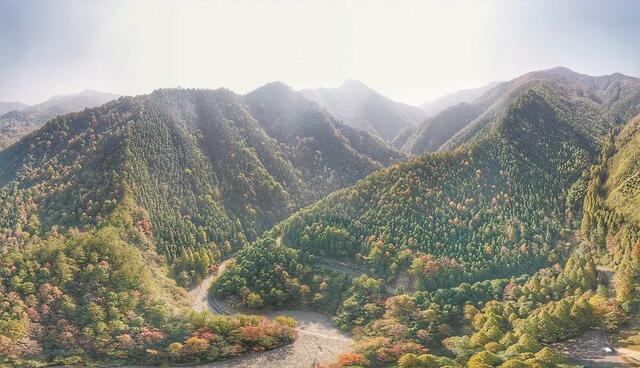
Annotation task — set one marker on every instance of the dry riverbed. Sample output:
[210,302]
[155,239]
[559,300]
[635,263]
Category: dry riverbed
[319,341]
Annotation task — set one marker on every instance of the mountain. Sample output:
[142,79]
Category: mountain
[22,120]
[614,95]
[472,209]
[5,107]
[363,108]
[329,154]
[197,161]
[462,123]
[437,105]
[124,200]
[477,250]
[436,130]
[105,197]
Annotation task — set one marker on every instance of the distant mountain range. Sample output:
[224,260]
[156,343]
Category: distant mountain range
[457,124]
[5,107]
[103,211]
[363,108]
[18,119]
[434,106]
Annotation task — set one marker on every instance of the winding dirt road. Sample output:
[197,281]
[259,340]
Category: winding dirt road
[588,349]
[319,341]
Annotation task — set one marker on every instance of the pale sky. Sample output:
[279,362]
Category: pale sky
[410,51]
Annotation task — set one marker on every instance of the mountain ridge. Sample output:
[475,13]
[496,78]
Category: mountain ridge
[17,123]
[363,108]
[467,95]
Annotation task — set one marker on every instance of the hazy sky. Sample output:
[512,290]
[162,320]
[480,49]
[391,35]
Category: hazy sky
[410,51]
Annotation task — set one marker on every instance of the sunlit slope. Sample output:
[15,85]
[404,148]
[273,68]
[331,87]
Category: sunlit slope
[496,206]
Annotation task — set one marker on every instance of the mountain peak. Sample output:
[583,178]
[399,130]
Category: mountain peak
[276,88]
[560,70]
[353,84]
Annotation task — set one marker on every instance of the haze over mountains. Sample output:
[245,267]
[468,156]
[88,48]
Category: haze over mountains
[476,246]
[18,119]
[363,108]
[5,107]
[436,105]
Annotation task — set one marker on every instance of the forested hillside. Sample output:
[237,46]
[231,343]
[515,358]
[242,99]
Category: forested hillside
[98,209]
[499,201]
[329,154]
[497,207]
[436,130]
[198,161]
[103,297]
[610,222]
[466,229]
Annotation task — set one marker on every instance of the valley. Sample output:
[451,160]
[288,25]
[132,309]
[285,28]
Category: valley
[318,341]
[195,226]
[319,184]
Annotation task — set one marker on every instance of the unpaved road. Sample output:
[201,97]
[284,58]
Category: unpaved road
[588,348]
[199,295]
[319,341]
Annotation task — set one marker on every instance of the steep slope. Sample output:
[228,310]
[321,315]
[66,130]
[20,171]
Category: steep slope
[493,208]
[207,173]
[436,130]
[363,108]
[610,223]
[21,121]
[614,95]
[623,172]
[611,217]
[196,160]
[463,96]
[329,154]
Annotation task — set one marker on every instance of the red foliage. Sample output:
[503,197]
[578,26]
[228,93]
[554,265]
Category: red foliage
[151,336]
[250,333]
[348,359]
[393,353]
[33,314]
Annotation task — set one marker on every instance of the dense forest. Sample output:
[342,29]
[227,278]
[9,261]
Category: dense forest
[104,296]
[508,203]
[610,223]
[484,205]
[517,230]
[202,166]
[198,177]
